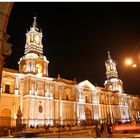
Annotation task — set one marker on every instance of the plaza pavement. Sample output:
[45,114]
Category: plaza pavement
[78,134]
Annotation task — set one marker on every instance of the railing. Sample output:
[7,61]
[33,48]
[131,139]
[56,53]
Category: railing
[9,122]
[68,125]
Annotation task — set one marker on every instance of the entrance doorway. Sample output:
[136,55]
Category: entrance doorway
[5,118]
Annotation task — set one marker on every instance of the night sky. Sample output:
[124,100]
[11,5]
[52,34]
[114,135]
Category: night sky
[77,36]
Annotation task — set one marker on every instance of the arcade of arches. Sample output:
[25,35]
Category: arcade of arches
[5,48]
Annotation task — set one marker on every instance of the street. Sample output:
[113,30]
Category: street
[71,134]
[87,134]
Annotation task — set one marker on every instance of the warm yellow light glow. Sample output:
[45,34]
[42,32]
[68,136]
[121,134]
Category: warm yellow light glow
[32,38]
[134,65]
[28,39]
[128,61]
[37,39]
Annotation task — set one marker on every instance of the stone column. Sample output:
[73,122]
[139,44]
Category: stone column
[1,66]
[92,93]
[16,85]
[129,107]
[51,111]
[36,84]
[46,88]
[60,104]
[27,65]
[75,105]
[30,86]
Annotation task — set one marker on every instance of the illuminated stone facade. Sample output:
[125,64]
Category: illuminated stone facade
[46,100]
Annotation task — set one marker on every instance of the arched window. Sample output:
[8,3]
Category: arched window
[40,109]
[7,88]
[32,38]
[28,40]
[111,67]
[23,68]
[38,70]
[108,68]
[37,39]
[110,88]
[68,93]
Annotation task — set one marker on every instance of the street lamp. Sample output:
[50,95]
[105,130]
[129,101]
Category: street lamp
[133,60]
[134,65]
[129,62]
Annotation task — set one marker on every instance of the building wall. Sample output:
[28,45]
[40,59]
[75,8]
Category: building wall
[44,100]
[11,103]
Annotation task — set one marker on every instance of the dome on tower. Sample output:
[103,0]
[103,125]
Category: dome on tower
[31,56]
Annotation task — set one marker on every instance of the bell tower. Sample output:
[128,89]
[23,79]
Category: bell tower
[113,83]
[34,40]
[33,60]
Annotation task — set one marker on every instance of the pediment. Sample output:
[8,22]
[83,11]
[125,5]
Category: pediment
[87,85]
[9,78]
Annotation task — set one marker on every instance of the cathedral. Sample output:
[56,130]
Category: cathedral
[44,100]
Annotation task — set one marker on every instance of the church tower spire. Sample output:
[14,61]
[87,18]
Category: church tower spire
[34,23]
[113,83]
[34,40]
[109,56]
[33,60]
[111,70]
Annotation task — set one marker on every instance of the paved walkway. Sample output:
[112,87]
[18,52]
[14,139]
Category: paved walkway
[78,134]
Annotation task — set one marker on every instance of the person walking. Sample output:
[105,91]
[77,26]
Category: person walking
[97,131]
[109,130]
[102,129]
